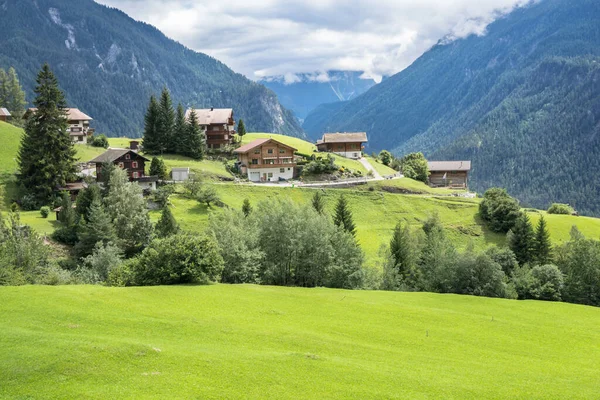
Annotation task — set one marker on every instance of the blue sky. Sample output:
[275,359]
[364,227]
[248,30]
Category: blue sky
[262,38]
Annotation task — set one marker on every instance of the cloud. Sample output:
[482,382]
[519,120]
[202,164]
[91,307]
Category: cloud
[263,38]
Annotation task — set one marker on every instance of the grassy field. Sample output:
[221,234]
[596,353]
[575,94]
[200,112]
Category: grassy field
[379,167]
[287,343]
[10,139]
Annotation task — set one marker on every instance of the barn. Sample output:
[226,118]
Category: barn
[454,174]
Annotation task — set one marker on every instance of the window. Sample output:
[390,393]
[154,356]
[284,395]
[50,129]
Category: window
[80,138]
[270,175]
[270,151]
[135,175]
[215,128]
[128,156]
[134,164]
[121,165]
[281,170]
[255,161]
[270,162]
[256,151]
[281,151]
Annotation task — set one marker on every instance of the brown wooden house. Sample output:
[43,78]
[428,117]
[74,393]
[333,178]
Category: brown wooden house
[349,145]
[218,125]
[79,124]
[449,173]
[132,162]
[4,114]
[266,160]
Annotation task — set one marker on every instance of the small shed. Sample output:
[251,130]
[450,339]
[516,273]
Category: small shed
[134,145]
[4,114]
[453,174]
[180,174]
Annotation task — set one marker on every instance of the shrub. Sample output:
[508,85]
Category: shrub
[45,211]
[99,141]
[414,166]
[385,157]
[558,208]
[321,166]
[499,210]
[103,259]
[544,282]
[29,203]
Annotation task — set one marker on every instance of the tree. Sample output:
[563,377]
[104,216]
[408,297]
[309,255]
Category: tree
[246,208]
[385,157]
[499,210]
[521,240]
[343,216]
[402,252]
[166,123]
[241,130]
[318,202]
[180,136]
[208,195]
[104,175]
[505,258]
[46,156]
[151,139]
[104,259]
[85,199]
[414,166]
[542,248]
[166,225]
[67,232]
[12,95]
[158,168]
[195,140]
[3,88]
[98,229]
[437,272]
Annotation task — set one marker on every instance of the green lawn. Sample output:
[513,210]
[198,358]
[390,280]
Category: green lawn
[379,167]
[409,186]
[10,139]
[247,341]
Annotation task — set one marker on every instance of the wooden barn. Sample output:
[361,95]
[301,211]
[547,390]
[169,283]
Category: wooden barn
[454,174]
[4,114]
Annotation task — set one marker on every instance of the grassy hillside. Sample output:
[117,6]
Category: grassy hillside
[287,343]
[10,138]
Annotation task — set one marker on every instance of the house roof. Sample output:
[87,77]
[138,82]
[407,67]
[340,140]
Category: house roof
[259,142]
[346,137]
[111,155]
[4,112]
[73,114]
[74,186]
[210,116]
[449,166]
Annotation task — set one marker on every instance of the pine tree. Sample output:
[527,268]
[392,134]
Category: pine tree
[195,138]
[241,130]
[47,155]
[151,140]
[158,168]
[98,228]
[180,131]
[318,202]
[166,123]
[85,199]
[246,208]
[401,251]
[542,249]
[15,101]
[3,89]
[521,240]
[166,225]
[343,216]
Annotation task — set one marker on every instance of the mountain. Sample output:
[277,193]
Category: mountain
[522,102]
[108,65]
[306,91]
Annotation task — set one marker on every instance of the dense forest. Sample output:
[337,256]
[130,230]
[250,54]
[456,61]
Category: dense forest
[522,102]
[110,64]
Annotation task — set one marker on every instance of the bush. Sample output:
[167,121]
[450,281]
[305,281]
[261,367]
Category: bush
[385,157]
[99,141]
[544,282]
[558,208]
[414,166]
[29,203]
[321,166]
[499,210]
[45,211]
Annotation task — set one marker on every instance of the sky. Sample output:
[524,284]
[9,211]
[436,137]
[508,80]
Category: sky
[284,38]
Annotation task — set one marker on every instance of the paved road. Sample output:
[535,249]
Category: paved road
[369,167]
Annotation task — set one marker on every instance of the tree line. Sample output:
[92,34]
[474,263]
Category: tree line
[12,95]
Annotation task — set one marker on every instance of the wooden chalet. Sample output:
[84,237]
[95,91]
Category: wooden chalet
[4,115]
[131,161]
[79,124]
[453,174]
[218,125]
[266,160]
[349,145]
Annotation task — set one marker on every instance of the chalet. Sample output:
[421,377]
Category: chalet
[73,189]
[449,173]
[266,160]
[132,162]
[4,114]
[79,124]
[349,145]
[218,125]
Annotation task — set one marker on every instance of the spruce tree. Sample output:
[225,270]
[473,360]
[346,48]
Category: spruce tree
[318,202]
[85,199]
[241,130]
[166,225]
[158,168]
[98,228]
[166,123]
[401,251]
[180,131]
[343,216]
[47,154]
[246,208]
[3,88]
[521,239]
[151,140]
[542,249]
[15,101]
[195,138]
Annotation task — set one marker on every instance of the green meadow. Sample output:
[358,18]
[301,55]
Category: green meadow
[247,341]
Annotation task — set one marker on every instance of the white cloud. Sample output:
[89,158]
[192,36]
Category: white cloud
[262,38]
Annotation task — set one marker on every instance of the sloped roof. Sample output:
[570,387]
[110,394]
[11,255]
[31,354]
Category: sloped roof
[209,116]
[73,114]
[4,112]
[259,142]
[353,137]
[449,166]
[111,155]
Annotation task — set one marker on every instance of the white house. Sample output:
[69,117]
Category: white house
[266,160]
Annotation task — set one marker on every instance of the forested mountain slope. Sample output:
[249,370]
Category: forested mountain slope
[523,102]
[108,65]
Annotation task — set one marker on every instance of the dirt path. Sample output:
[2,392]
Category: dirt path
[369,167]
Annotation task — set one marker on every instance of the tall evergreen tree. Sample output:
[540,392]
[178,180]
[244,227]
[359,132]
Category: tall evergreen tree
[343,216]
[3,88]
[241,130]
[47,155]
[15,101]
[180,131]
[402,251]
[246,208]
[166,225]
[158,168]
[542,248]
[318,202]
[151,139]
[195,138]
[166,123]
[98,228]
[85,199]
[521,239]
